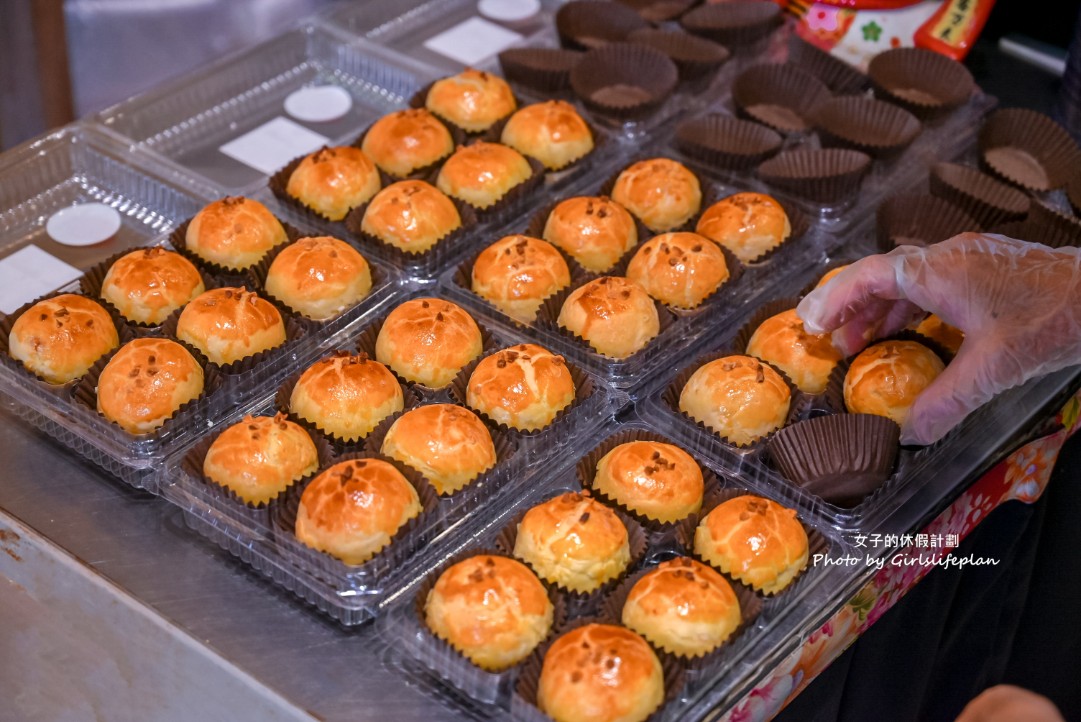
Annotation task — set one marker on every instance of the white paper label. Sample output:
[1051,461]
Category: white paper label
[83,225]
[319,103]
[472,41]
[31,272]
[509,11]
[273,144]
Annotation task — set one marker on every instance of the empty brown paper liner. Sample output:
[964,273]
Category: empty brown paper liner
[919,220]
[988,201]
[839,76]
[624,80]
[921,81]
[735,23]
[1028,149]
[726,142]
[695,57]
[546,70]
[781,96]
[827,176]
[872,126]
[588,24]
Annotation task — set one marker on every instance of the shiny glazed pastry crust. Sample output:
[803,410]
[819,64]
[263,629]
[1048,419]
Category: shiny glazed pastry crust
[662,193]
[516,273]
[523,387]
[411,215]
[748,224]
[492,609]
[885,379]
[482,173]
[147,285]
[234,232]
[552,132]
[333,181]
[407,140]
[754,540]
[594,231]
[346,396]
[230,324]
[573,541]
[806,358]
[613,314]
[353,509]
[146,382]
[679,269]
[260,456]
[737,397]
[319,277]
[657,480]
[60,338]
[448,444]
[428,341]
[472,100]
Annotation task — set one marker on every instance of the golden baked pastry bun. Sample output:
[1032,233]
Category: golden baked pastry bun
[355,508]
[446,443]
[806,358]
[230,324]
[259,457]
[593,230]
[612,314]
[148,285]
[552,132]
[472,100]
[407,140]
[753,540]
[146,382]
[600,673]
[428,341]
[333,181]
[516,273]
[60,338]
[234,232]
[887,377]
[656,480]
[574,541]
[523,387]
[319,277]
[481,173]
[346,396]
[664,194]
[490,608]
[411,215]
[679,269]
[748,224]
[738,397]
[934,328]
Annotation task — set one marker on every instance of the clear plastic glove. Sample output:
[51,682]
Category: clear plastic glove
[1018,304]
[1006,703]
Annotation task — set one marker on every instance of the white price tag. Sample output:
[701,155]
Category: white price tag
[31,272]
[472,41]
[273,144]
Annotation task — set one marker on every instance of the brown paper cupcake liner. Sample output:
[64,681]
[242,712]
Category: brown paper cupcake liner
[539,220]
[735,273]
[1051,227]
[827,176]
[410,399]
[434,257]
[816,543]
[199,411]
[987,201]
[409,538]
[460,135]
[694,56]
[797,405]
[1028,149]
[919,220]
[91,282]
[576,602]
[841,458]
[923,82]
[545,70]
[659,11]
[223,497]
[583,389]
[220,275]
[505,450]
[524,701]
[501,210]
[451,664]
[463,278]
[295,331]
[782,97]
[1073,193]
[258,276]
[588,24]
[124,332]
[872,126]
[839,76]
[726,142]
[735,24]
[548,319]
[586,470]
[624,80]
[457,135]
[750,607]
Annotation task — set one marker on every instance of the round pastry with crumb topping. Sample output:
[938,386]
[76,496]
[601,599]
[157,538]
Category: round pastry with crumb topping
[748,224]
[482,173]
[573,541]
[657,480]
[428,341]
[355,508]
[259,457]
[319,277]
[552,132]
[446,443]
[738,397]
[682,606]
[886,378]
[524,387]
[594,231]
[230,324]
[600,673]
[407,140]
[612,314]
[662,193]
[490,608]
[754,540]
[679,269]
[147,285]
[807,358]
[411,215]
[146,382]
[60,338]
[472,100]
[333,181]
[234,232]
[938,330]
[346,396]
[516,273]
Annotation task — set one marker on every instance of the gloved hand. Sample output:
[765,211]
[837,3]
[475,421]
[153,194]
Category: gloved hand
[1018,304]
[1006,703]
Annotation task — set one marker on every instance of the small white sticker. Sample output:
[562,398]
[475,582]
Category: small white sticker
[31,272]
[273,144]
[83,225]
[472,41]
[319,104]
[509,11]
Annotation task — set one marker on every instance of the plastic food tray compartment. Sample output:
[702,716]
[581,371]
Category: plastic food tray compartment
[187,121]
[442,673]
[355,596]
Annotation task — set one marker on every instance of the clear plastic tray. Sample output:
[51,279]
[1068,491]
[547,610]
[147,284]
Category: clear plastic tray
[353,598]
[186,122]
